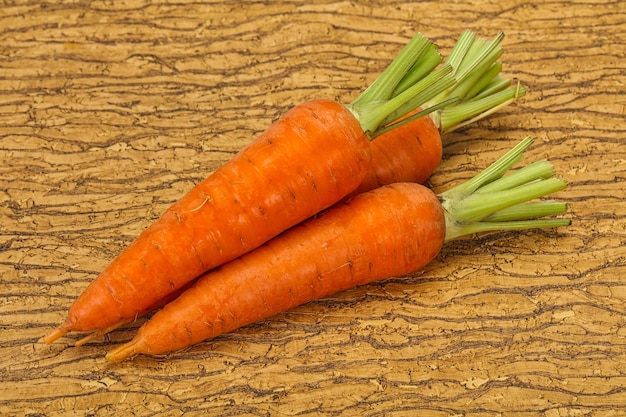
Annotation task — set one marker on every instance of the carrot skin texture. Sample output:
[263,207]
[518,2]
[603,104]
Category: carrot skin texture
[306,161]
[387,232]
[409,153]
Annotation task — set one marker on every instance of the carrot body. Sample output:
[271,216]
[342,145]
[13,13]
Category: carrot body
[409,153]
[387,232]
[309,159]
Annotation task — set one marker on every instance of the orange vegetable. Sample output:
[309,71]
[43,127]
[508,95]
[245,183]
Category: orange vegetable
[312,157]
[412,151]
[409,153]
[390,231]
[272,184]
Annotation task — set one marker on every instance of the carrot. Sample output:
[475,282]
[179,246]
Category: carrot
[412,151]
[312,157]
[390,231]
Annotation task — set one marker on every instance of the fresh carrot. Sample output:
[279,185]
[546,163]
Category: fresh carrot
[412,151]
[390,231]
[312,157]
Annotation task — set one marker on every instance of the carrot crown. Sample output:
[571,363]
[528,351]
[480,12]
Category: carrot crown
[414,67]
[492,201]
[480,89]
[465,88]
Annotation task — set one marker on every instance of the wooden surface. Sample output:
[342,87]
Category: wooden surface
[110,111]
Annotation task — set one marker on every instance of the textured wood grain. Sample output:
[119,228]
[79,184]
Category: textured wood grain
[110,111]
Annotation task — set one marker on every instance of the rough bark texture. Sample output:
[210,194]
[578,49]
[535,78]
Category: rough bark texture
[110,111]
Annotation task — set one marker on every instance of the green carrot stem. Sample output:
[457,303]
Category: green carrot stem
[480,62]
[491,173]
[426,63]
[471,54]
[411,98]
[536,170]
[382,88]
[415,64]
[526,211]
[496,85]
[490,82]
[478,206]
[480,87]
[491,201]
[466,88]
[460,48]
[483,227]
[462,114]
[432,110]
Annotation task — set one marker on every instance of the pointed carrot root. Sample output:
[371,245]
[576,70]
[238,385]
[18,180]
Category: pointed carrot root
[101,332]
[59,332]
[124,351]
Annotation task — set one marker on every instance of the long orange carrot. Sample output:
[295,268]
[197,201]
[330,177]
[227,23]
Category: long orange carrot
[312,157]
[390,231]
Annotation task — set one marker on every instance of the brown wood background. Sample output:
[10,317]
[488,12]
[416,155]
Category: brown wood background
[111,110]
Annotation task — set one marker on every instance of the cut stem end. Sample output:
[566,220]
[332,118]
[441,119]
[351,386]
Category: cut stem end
[494,202]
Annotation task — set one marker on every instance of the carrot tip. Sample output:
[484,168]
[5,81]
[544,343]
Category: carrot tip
[87,338]
[122,352]
[59,332]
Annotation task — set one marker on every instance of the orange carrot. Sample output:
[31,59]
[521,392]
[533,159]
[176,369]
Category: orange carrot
[312,157]
[393,230]
[412,151]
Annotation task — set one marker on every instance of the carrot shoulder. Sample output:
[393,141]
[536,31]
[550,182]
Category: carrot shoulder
[390,231]
[312,157]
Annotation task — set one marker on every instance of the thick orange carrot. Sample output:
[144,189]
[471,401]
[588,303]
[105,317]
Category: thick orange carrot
[393,230]
[274,183]
[409,153]
[312,157]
